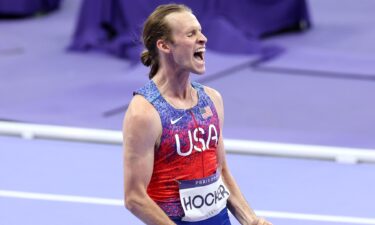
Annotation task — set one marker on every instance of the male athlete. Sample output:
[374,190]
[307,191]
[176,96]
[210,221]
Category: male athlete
[175,169]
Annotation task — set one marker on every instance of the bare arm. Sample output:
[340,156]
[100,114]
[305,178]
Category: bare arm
[141,130]
[237,203]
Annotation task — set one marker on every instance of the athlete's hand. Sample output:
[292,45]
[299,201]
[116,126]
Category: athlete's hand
[260,221]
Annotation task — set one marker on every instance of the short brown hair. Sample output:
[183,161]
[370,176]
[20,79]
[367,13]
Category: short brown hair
[155,28]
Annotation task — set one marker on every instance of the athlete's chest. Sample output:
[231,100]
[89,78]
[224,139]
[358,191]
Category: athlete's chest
[190,131]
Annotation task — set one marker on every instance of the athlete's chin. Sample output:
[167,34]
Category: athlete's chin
[199,71]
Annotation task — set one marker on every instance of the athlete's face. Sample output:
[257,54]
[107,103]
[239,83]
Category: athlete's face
[189,43]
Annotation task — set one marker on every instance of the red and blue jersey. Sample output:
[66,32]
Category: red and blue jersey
[188,146]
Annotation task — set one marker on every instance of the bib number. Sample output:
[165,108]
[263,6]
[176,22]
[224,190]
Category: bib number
[203,198]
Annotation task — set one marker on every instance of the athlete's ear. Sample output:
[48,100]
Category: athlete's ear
[163,46]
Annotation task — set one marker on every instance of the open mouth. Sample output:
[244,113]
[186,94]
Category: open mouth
[199,54]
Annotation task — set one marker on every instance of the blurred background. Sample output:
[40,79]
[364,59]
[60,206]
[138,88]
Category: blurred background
[297,78]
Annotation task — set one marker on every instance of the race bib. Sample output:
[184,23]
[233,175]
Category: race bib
[203,198]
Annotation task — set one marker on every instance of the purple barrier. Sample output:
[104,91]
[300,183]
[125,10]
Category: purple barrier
[27,7]
[231,26]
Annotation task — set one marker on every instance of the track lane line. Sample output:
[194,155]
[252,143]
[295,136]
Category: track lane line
[120,202]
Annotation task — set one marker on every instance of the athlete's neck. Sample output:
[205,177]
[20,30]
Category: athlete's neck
[176,89]
[173,84]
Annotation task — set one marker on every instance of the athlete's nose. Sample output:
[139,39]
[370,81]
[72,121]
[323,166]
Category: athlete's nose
[202,39]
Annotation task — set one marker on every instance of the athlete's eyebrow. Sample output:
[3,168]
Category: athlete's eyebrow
[194,30]
[195,27]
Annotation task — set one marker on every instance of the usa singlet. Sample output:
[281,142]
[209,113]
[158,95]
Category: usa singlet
[187,146]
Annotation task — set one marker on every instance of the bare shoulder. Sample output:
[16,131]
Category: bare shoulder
[141,115]
[217,100]
[214,95]
[140,104]
[139,108]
